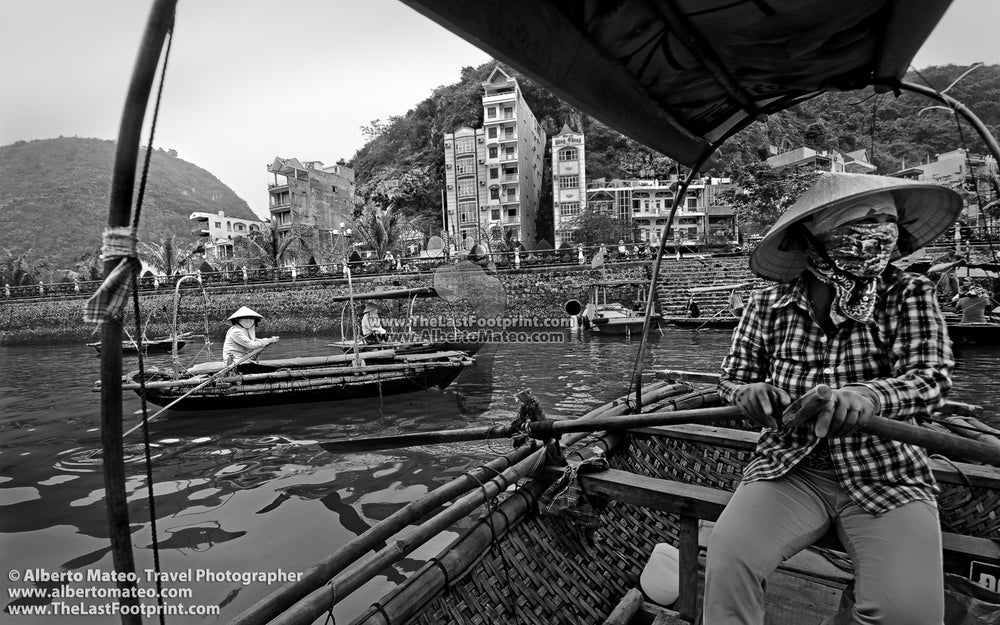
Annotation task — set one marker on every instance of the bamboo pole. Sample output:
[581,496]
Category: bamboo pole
[934,442]
[310,607]
[160,21]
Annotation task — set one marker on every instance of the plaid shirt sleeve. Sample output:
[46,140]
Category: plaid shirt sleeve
[921,353]
[746,361]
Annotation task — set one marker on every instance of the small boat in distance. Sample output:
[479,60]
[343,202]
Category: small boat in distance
[612,317]
[158,345]
[724,318]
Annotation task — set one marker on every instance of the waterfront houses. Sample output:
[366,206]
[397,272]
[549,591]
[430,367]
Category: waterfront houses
[569,183]
[310,194]
[216,232]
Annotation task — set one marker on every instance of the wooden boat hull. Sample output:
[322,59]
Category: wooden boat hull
[974,333]
[334,380]
[619,326]
[705,323]
[157,346]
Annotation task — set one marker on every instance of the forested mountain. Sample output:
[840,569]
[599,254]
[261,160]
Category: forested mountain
[896,131]
[54,197]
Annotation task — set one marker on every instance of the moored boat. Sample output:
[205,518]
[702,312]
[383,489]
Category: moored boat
[603,315]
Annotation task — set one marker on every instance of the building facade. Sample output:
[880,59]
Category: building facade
[702,218]
[493,174]
[217,232]
[569,182]
[310,194]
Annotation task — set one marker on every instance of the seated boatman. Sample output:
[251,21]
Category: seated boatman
[371,325]
[241,339]
[842,316]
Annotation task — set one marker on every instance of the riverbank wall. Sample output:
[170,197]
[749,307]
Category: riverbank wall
[534,297]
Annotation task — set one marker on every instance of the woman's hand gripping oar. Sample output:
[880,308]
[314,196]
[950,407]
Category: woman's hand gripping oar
[818,403]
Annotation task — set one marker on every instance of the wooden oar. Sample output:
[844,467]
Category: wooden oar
[934,442]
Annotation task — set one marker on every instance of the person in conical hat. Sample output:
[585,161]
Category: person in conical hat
[371,325]
[241,338]
[840,315]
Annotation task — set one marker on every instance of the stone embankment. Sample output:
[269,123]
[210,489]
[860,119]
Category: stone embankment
[309,307]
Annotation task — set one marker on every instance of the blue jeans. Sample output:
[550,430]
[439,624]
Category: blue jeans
[898,575]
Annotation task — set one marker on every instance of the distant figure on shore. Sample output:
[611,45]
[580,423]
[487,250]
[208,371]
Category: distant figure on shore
[693,310]
[973,305]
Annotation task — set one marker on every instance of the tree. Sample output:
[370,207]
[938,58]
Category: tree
[270,248]
[19,270]
[762,194]
[594,228]
[381,230]
[168,256]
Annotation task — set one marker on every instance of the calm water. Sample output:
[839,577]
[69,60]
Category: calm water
[250,491]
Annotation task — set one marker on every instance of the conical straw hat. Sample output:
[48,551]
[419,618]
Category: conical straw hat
[924,210]
[244,312]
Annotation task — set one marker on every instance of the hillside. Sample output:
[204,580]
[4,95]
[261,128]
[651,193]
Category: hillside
[55,192]
[410,147]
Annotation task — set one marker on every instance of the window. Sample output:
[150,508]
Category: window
[494,173]
[464,145]
[511,194]
[466,211]
[218,225]
[493,152]
[569,208]
[492,132]
[491,112]
[508,152]
[465,166]
[568,154]
[512,211]
[466,187]
[495,193]
[495,214]
[240,228]
[508,112]
[569,182]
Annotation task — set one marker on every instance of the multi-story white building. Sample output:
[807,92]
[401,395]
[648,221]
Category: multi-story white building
[644,205]
[569,182]
[493,175]
[216,232]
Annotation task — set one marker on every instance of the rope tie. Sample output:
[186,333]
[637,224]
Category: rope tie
[109,300]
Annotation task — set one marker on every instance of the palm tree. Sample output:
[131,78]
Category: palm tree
[19,270]
[381,231]
[269,249]
[168,256]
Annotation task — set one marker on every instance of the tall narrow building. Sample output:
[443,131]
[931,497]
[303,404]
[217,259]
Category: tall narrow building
[569,183]
[493,175]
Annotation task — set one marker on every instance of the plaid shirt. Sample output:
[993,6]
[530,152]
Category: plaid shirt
[903,355]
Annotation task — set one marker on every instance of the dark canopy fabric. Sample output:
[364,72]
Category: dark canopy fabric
[682,75]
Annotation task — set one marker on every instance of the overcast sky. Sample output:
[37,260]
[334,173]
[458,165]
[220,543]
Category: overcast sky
[253,79]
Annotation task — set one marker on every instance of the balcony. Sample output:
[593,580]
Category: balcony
[510,199]
[277,187]
[508,136]
[509,178]
[508,157]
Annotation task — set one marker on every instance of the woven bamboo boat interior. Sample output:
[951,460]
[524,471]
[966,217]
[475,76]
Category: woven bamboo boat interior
[535,569]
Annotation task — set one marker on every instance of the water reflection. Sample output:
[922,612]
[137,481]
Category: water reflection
[250,490]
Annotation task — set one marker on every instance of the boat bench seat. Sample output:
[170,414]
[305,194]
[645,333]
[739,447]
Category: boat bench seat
[700,506]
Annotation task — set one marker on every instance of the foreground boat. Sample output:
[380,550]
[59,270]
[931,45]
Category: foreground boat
[531,559]
[211,386]
[974,333]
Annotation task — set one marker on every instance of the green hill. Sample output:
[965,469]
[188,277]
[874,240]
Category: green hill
[55,192]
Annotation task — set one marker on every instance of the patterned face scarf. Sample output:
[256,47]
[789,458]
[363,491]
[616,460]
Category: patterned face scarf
[850,258]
